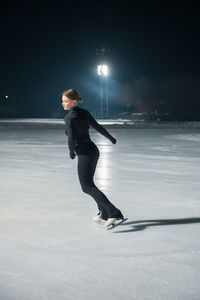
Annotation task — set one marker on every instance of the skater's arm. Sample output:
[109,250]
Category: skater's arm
[71,139]
[100,129]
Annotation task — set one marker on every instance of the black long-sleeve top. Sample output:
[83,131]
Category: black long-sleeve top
[77,123]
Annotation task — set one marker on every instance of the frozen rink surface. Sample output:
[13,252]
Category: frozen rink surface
[51,249]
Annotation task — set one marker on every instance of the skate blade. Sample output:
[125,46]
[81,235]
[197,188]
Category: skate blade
[116,224]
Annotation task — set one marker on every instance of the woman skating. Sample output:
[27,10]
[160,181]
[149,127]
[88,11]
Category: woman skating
[77,123]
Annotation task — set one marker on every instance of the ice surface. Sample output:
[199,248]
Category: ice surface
[51,249]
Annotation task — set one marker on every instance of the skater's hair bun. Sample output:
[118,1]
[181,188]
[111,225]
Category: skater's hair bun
[72,94]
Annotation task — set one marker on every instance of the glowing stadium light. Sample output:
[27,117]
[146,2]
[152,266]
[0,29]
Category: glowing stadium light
[102,70]
[105,70]
[99,70]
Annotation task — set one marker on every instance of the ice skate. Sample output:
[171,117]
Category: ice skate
[114,222]
[98,219]
[110,221]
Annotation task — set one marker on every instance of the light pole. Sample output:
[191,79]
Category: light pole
[107,107]
[102,71]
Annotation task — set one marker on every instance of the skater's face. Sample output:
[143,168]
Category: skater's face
[67,103]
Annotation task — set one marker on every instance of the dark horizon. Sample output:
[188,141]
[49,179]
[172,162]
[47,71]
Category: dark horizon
[48,49]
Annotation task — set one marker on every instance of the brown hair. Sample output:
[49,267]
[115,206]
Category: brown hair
[72,94]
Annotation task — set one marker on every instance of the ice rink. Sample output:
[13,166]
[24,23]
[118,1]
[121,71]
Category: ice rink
[50,249]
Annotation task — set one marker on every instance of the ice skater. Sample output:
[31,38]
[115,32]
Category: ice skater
[77,123]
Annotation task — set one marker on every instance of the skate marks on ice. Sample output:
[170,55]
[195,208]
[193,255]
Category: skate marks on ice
[143,224]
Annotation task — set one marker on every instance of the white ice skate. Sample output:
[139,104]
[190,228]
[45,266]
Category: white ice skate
[98,219]
[114,222]
[110,221]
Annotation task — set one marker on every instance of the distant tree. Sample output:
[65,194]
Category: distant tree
[181,96]
[177,97]
[142,95]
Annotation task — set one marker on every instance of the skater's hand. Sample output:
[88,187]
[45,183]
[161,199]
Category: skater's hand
[114,141]
[72,155]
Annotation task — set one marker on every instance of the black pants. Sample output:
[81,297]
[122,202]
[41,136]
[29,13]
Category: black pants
[88,155]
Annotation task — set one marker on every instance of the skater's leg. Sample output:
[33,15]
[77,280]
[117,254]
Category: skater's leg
[102,212]
[86,167]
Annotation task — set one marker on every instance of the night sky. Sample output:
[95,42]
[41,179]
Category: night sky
[48,48]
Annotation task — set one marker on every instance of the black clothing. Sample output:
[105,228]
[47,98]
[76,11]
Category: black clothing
[77,123]
[86,168]
[77,128]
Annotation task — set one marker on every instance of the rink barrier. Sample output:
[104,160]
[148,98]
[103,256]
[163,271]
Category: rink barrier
[119,123]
